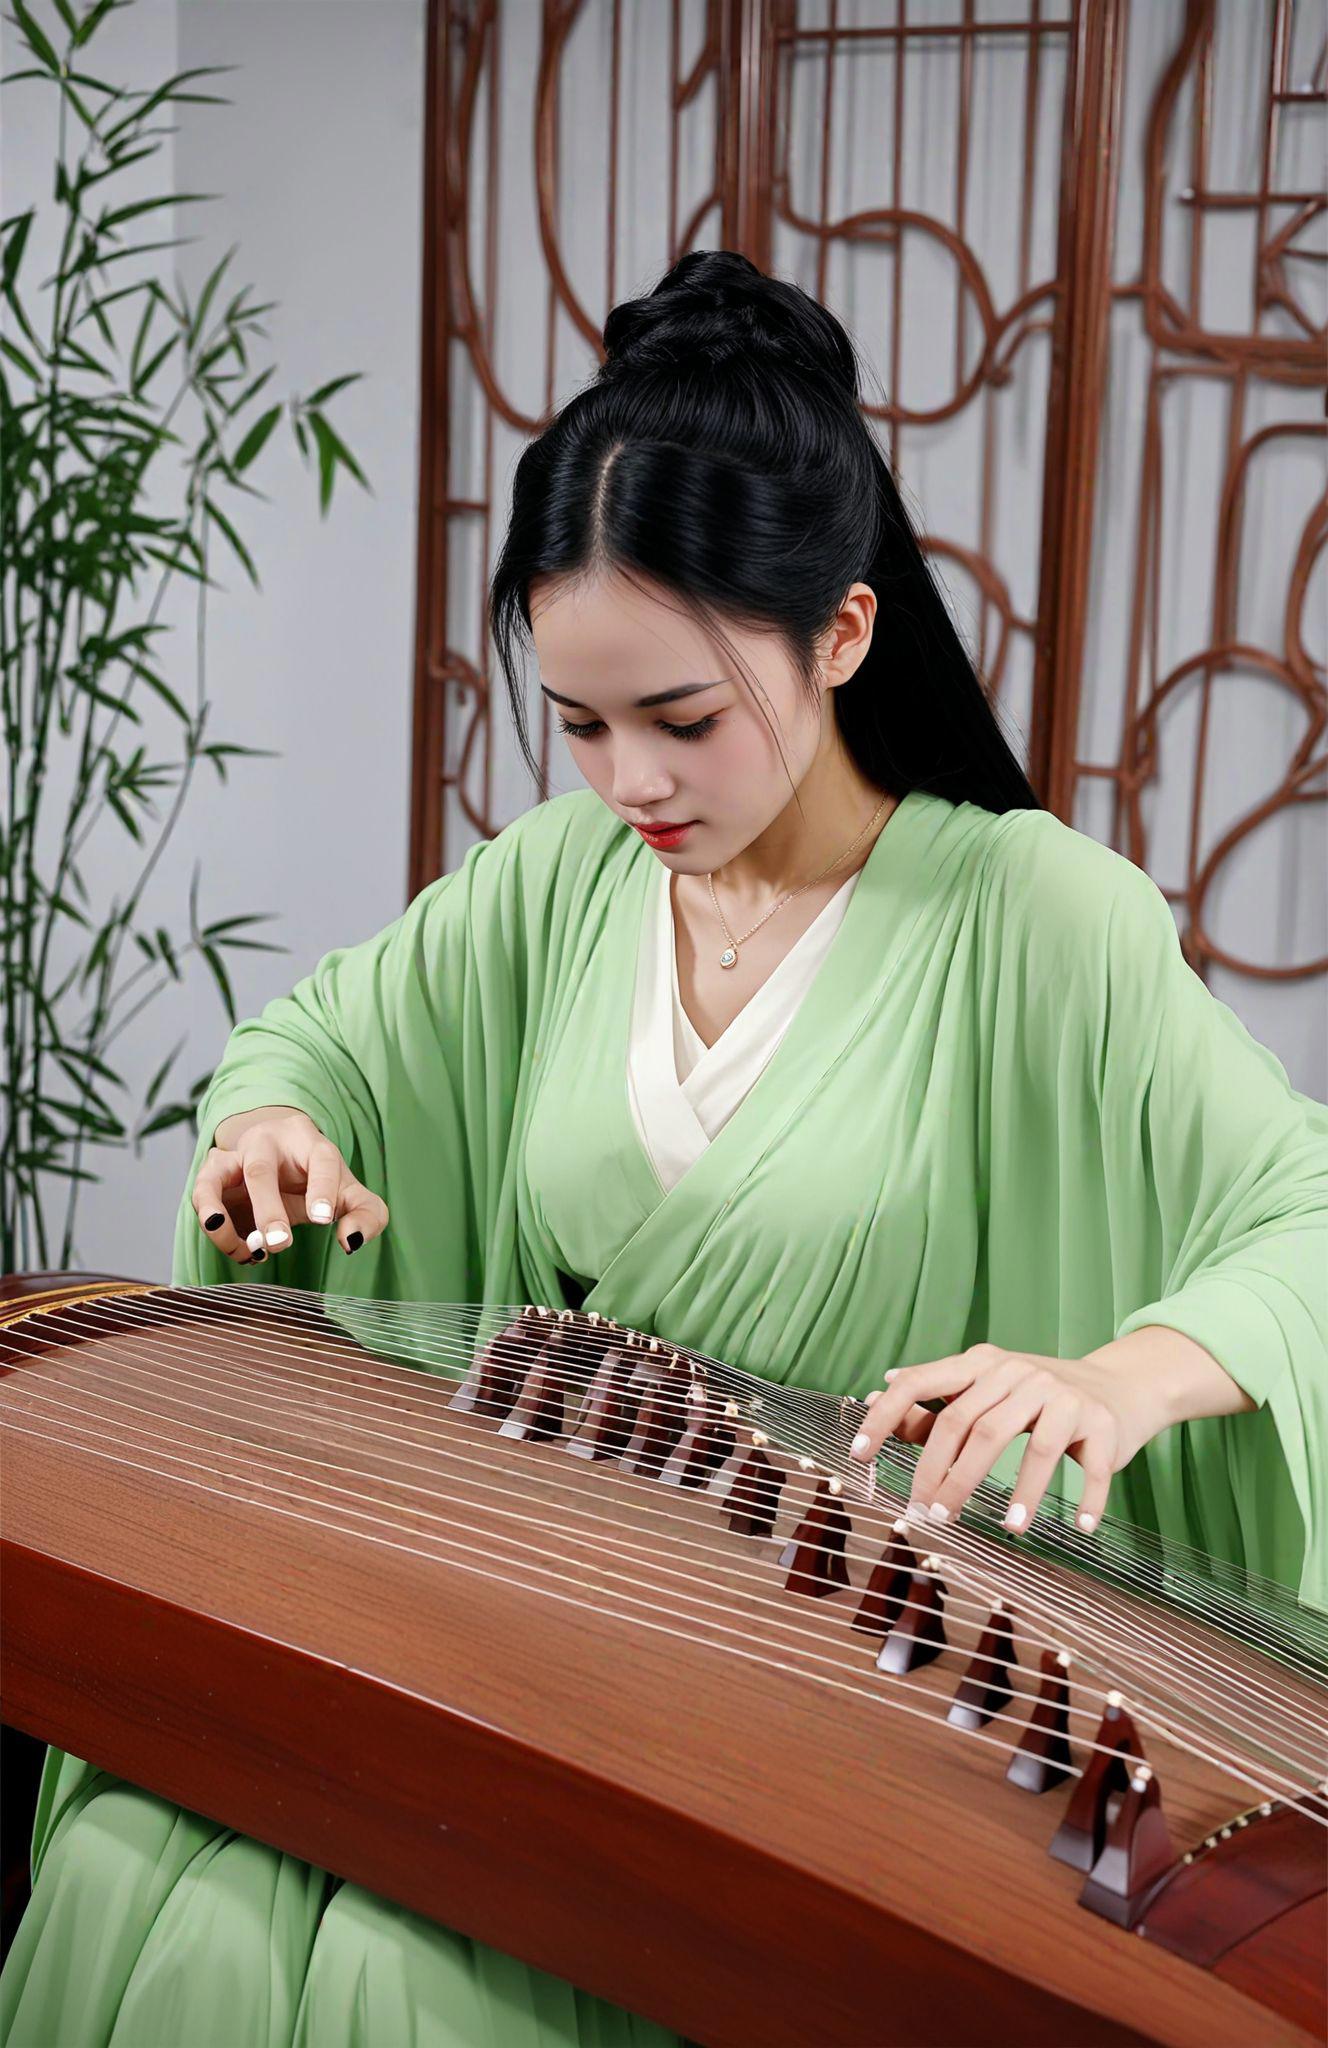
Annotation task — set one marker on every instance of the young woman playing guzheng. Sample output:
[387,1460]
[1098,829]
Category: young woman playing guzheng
[874,1066]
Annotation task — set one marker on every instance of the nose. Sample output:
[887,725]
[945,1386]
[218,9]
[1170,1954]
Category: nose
[640,779]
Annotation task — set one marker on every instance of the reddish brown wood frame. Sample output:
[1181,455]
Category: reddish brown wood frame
[745,62]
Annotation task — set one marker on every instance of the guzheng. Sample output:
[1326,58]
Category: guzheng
[605,1652]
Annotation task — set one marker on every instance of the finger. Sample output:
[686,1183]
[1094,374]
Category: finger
[1098,1467]
[328,1182]
[364,1215]
[272,1226]
[948,1438]
[1056,1429]
[906,1385]
[991,1434]
[917,1426]
[220,1173]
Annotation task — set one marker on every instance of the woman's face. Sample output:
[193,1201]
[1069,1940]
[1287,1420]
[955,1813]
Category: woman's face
[702,755]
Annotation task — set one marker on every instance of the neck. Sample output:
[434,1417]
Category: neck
[834,803]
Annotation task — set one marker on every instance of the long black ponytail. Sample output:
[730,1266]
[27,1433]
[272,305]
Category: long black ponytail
[721,454]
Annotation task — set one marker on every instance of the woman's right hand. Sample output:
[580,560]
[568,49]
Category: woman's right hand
[279,1171]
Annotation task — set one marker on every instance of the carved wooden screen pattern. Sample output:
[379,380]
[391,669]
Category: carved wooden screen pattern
[953,177]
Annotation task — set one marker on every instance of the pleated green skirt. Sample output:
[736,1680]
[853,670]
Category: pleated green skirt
[150,1927]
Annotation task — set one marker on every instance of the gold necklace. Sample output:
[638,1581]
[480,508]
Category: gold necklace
[729,957]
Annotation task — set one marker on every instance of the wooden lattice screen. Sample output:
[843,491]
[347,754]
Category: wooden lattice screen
[575,147]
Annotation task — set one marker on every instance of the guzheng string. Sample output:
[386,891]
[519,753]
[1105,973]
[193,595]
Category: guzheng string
[83,1372]
[413,1319]
[407,1321]
[824,1446]
[359,1305]
[355,1311]
[412,1335]
[1231,1765]
[1029,1600]
[419,1383]
[1290,1797]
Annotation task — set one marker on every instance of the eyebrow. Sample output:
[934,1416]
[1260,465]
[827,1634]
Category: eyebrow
[642,703]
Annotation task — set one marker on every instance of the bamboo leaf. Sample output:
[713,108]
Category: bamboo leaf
[326,391]
[162,689]
[92,19]
[331,451]
[140,206]
[256,439]
[327,458]
[158,1080]
[146,375]
[168,953]
[119,704]
[163,94]
[207,295]
[15,244]
[216,963]
[36,39]
[17,356]
[215,749]
[123,813]
[235,541]
[176,1113]
[231,924]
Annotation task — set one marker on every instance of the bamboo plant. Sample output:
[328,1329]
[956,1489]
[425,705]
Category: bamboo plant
[111,390]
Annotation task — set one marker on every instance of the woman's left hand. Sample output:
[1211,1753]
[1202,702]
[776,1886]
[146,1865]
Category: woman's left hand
[1094,1410]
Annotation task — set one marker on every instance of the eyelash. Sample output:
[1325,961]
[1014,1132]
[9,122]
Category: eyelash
[696,731]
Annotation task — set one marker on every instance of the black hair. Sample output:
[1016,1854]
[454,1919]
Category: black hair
[721,453]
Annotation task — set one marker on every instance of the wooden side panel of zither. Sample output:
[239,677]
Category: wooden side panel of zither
[309,1621]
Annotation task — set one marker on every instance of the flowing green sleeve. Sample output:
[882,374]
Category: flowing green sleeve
[1238,1179]
[408,1050]
[1208,1178]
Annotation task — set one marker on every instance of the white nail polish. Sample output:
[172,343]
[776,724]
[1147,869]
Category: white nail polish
[255,1240]
[321,1212]
[938,1512]
[860,1445]
[1088,1521]
[278,1234]
[1017,1515]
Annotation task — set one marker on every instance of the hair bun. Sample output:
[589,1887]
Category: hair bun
[713,307]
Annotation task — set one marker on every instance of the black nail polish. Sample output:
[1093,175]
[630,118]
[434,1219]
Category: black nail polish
[215,1222]
[257,1256]
[355,1240]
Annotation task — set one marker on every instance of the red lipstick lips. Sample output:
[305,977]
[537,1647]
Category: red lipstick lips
[665,836]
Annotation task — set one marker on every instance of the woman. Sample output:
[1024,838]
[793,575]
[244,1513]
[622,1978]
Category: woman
[801,1036]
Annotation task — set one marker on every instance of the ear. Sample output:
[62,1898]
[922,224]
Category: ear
[845,642]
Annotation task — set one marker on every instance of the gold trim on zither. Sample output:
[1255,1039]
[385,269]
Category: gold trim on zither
[61,1297]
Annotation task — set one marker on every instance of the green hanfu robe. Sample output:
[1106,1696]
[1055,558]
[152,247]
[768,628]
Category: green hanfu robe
[1005,1109]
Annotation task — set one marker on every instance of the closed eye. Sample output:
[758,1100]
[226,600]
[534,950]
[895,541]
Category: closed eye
[696,731]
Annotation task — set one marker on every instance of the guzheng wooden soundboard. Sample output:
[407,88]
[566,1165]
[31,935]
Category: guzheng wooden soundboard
[607,1654]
